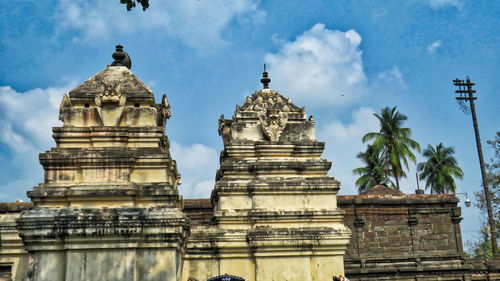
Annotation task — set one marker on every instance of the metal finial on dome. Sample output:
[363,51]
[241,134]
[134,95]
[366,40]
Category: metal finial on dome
[265,79]
[121,58]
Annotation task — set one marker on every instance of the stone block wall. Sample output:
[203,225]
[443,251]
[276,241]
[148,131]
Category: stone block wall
[386,231]
[385,250]
[13,256]
[485,269]
[398,236]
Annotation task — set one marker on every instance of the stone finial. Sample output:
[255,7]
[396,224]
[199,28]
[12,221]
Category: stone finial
[265,78]
[121,58]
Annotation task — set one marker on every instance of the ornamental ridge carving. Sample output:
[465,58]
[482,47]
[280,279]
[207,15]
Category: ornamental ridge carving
[268,99]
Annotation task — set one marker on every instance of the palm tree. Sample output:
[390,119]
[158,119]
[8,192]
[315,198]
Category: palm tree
[440,169]
[373,171]
[393,142]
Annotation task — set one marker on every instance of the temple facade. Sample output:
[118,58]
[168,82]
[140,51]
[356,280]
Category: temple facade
[109,207]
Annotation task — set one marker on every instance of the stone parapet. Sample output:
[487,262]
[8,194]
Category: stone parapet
[14,207]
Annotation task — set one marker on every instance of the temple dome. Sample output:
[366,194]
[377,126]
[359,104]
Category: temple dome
[119,78]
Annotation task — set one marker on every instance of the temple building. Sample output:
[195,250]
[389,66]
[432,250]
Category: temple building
[275,215]
[109,207]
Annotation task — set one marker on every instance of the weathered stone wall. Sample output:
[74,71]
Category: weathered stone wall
[109,207]
[399,236]
[485,269]
[384,261]
[13,257]
[395,237]
[402,227]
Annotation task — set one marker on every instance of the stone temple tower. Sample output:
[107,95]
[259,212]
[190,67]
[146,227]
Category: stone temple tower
[275,209]
[108,208]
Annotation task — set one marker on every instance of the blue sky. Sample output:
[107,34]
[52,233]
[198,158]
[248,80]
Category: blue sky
[343,60]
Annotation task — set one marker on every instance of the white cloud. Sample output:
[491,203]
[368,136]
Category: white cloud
[343,143]
[390,81]
[277,39]
[27,121]
[434,46]
[28,117]
[196,23]
[197,164]
[321,66]
[446,3]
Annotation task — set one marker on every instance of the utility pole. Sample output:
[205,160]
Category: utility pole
[466,93]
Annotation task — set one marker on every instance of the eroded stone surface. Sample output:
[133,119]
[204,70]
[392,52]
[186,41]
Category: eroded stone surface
[108,208]
[275,214]
[398,236]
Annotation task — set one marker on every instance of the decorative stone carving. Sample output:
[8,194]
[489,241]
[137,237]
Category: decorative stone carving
[273,123]
[66,103]
[268,99]
[112,97]
[165,107]
[163,111]
[110,94]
